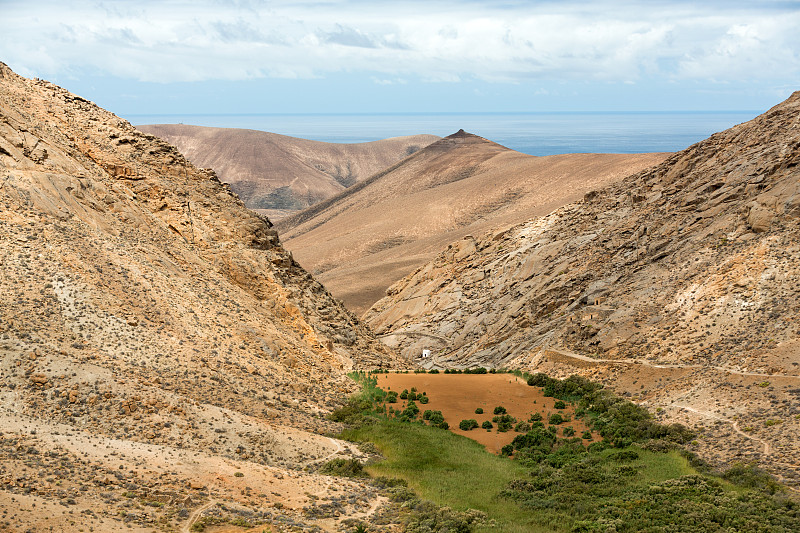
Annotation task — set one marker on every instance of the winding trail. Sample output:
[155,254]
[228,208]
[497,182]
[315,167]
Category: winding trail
[187,528]
[651,364]
[735,425]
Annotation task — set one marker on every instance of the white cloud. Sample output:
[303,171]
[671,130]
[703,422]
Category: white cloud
[436,41]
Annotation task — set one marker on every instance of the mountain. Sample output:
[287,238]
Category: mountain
[679,284]
[374,233]
[279,175]
[161,351]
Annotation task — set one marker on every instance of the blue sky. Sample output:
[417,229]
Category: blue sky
[345,56]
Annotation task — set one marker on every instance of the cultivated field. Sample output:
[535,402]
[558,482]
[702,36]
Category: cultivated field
[457,396]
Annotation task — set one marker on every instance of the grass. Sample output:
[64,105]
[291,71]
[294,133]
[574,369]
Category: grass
[637,479]
[447,469]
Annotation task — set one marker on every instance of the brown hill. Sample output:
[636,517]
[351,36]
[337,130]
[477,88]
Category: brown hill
[161,353]
[679,284]
[363,240]
[279,175]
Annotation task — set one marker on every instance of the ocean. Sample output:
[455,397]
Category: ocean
[531,133]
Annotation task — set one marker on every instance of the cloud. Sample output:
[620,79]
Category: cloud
[438,41]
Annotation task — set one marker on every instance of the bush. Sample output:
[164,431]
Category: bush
[487,425]
[404,394]
[423,399]
[522,427]
[391,397]
[555,419]
[479,411]
[504,422]
[468,424]
[499,410]
[569,431]
[343,467]
[535,417]
[587,435]
[560,404]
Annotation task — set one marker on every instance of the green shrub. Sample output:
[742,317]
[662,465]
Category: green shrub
[568,431]
[423,399]
[487,425]
[560,404]
[522,427]
[468,424]
[391,397]
[499,410]
[344,468]
[504,422]
[587,435]
[479,411]
[555,419]
[535,417]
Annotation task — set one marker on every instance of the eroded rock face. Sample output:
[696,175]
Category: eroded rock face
[142,302]
[694,262]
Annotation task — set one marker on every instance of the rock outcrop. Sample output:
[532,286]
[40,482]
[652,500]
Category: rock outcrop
[690,268]
[155,337]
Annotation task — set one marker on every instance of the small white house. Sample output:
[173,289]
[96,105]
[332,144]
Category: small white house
[426,354]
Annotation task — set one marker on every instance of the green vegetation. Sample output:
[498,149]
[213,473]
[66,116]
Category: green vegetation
[468,424]
[343,467]
[479,411]
[637,478]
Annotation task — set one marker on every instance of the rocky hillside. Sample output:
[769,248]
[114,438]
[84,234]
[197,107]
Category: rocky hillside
[156,339]
[378,231]
[280,175]
[681,284]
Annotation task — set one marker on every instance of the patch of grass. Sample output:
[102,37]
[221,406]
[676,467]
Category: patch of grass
[447,469]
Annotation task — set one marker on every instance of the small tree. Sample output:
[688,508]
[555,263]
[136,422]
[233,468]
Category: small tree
[487,425]
[468,424]
[479,411]
[499,410]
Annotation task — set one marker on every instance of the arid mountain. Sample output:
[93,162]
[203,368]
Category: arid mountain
[680,284]
[279,175]
[363,240]
[157,343]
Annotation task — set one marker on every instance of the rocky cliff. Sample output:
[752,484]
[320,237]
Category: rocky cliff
[690,270]
[154,333]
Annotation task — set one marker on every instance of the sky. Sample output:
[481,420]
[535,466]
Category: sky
[357,56]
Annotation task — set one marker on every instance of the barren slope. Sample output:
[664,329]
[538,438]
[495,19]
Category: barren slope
[362,241]
[680,284]
[279,175]
[156,340]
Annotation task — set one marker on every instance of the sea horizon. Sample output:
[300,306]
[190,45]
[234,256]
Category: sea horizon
[534,133]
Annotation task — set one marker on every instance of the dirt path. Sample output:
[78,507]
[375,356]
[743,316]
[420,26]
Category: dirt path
[196,514]
[650,364]
[734,424]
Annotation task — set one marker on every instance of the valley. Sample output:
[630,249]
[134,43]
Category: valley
[175,361]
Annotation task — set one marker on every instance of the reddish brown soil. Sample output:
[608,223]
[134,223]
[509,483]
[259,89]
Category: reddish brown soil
[458,395]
